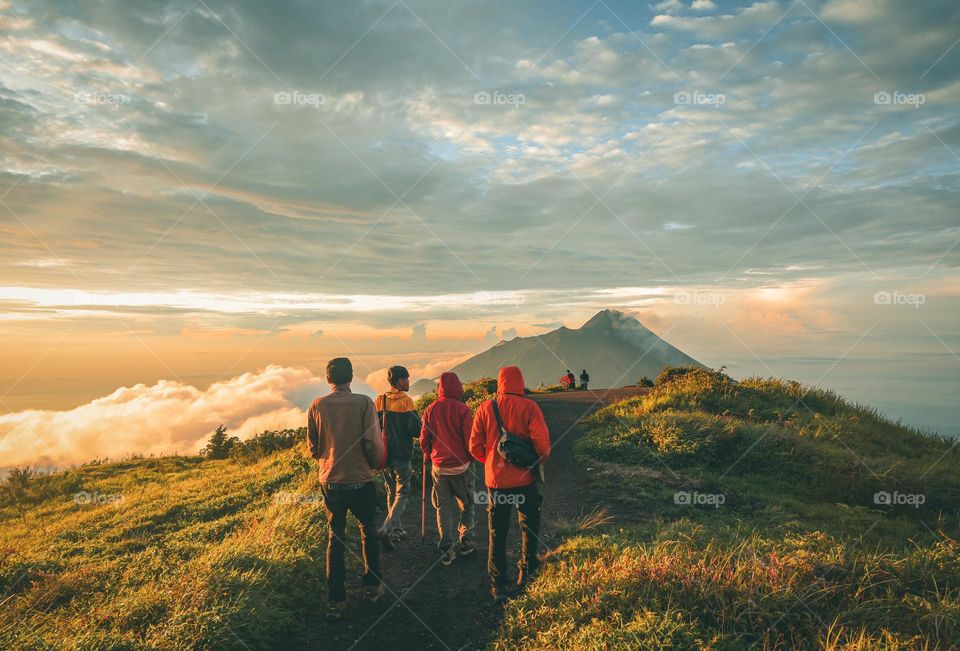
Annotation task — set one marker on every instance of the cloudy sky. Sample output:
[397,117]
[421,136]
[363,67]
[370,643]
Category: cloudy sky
[199,194]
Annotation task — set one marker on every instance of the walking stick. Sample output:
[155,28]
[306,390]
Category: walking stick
[423,502]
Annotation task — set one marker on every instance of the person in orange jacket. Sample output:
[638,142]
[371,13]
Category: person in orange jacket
[509,485]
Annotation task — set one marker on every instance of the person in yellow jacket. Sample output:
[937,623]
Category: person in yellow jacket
[398,415]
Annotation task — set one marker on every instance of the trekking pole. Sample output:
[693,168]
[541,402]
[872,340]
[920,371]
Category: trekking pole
[423,502]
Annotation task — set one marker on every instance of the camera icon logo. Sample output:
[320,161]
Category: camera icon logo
[882,98]
[482,97]
[882,497]
[682,97]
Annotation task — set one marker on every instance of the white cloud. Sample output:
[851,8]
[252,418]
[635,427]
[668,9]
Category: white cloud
[703,5]
[164,418]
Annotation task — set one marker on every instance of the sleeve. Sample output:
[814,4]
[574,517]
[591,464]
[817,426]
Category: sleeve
[414,421]
[539,434]
[466,426]
[374,440]
[478,436]
[313,433]
[426,435]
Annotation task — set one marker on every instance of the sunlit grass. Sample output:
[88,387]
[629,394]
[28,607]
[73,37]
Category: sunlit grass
[797,555]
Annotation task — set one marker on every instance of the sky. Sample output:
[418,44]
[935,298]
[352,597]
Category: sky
[202,201]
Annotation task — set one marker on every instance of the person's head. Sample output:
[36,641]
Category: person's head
[399,378]
[584,371]
[339,371]
[568,371]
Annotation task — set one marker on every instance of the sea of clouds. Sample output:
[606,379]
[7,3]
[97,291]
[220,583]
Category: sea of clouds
[164,418]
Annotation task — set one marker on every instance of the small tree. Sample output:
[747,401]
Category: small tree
[219,444]
[645,382]
[19,485]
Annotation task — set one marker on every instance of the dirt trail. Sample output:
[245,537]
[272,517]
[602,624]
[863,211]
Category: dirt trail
[429,606]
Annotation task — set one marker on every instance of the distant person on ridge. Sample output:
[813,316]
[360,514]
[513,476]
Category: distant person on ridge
[445,438]
[507,484]
[397,413]
[571,380]
[343,435]
[584,380]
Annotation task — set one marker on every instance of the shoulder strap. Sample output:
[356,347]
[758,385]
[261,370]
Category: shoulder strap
[496,413]
[383,424]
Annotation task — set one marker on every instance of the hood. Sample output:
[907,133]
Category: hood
[449,386]
[510,380]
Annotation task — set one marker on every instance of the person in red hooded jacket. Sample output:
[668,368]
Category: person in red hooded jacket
[507,484]
[444,438]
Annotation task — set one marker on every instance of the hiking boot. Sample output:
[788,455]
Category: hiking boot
[448,557]
[386,540]
[336,609]
[466,548]
[372,593]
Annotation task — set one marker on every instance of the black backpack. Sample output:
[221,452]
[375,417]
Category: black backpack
[516,450]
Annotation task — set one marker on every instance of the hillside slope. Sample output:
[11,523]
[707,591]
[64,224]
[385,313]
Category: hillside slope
[615,348]
[778,516]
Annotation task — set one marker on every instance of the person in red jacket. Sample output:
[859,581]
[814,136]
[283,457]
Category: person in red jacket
[507,484]
[444,438]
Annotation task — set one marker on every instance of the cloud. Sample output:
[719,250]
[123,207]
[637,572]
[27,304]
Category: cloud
[419,332]
[164,418]
[430,370]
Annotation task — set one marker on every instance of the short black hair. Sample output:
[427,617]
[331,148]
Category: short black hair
[395,373]
[339,370]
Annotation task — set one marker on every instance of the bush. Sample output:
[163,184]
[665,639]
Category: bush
[266,443]
[645,382]
[668,373]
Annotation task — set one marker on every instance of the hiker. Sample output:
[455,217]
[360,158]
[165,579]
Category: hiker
[444,438]
[571,380]
[509,484]
[398,415]
[344,436]
[584,380]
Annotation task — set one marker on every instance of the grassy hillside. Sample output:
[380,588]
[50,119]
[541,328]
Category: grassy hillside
[767,525]
[172,552]
[162,553]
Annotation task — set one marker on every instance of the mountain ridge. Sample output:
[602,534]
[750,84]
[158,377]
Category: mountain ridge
[614,347]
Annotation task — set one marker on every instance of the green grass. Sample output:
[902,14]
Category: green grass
[172,552]
[788,548]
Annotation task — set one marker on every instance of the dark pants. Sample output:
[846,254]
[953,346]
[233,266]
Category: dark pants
[500,503]
[359,499]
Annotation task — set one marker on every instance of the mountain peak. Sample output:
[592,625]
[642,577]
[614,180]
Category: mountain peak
[612,320]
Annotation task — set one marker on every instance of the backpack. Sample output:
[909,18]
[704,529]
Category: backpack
[516,450]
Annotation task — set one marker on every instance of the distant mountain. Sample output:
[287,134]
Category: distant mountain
[422,386]
[615,348]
